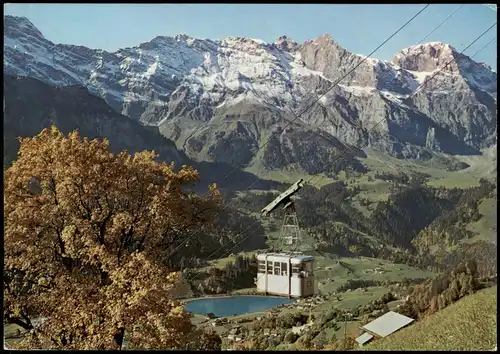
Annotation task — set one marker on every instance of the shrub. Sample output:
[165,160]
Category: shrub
[332,324]
[291,319]
[388,297]
[330,315]
[291,337]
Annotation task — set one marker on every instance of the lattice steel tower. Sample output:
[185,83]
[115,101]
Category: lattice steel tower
[290,235]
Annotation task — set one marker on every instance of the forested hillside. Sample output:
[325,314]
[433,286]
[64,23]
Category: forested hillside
[418,224]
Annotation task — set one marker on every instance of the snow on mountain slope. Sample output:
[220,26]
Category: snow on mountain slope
[191,87]
[133,78]
[31,105]
[433,56]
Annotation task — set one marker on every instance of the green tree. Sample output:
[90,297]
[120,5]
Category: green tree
[354,249]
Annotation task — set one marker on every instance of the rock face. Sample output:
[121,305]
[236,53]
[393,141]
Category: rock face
[31,105]
[462,99]
[220,100]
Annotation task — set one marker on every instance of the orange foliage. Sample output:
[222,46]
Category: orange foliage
[245,345]
[84,236]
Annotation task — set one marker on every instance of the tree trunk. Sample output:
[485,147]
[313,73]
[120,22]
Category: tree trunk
[119,337]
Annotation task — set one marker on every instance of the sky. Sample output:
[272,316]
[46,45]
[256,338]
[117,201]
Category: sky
[358,28]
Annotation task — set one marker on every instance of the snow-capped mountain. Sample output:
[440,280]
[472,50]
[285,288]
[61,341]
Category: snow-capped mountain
[424,59]
[220,100]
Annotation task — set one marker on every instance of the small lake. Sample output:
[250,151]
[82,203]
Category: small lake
[234,305]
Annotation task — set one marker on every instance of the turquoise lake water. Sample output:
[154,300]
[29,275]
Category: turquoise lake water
[234,305]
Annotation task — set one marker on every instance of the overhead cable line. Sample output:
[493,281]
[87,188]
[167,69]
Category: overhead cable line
[418,88]
[297,116]
[442,23]
[337,82]
[491,6]
[400,105]
[420,42]
[422,85]
[484,47]
[448,63]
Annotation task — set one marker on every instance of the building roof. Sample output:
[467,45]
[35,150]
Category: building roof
[365,337]
[387,324]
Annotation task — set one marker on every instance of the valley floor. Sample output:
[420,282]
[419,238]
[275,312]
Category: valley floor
[331,272]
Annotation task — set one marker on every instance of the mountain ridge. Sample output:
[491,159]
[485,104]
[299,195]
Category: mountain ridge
[31,105]
[195,89]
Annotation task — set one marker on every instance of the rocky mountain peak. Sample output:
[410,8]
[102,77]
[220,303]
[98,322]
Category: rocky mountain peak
[283,38]
[21,25]
[323,40]
[245,89]
[185,37]
[182,37]
[485,65]
[326,37]
[286,44]
[427,57]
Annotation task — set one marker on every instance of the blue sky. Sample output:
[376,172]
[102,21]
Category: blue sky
[358,28]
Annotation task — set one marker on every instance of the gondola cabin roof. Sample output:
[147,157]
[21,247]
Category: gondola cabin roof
[304,258]
[294,259]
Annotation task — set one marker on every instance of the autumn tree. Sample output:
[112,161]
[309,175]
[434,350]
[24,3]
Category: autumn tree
[87,236]
[437,293]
